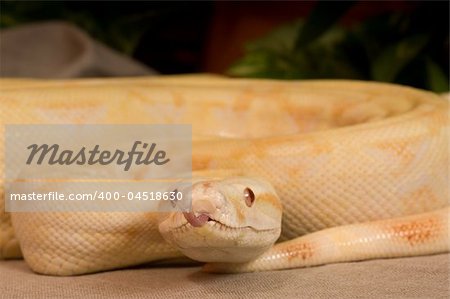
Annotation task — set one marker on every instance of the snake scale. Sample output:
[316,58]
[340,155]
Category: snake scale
[334,170]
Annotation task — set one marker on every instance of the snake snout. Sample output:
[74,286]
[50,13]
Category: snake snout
[196,220]
[202,211]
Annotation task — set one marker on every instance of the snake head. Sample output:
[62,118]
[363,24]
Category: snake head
[231,220]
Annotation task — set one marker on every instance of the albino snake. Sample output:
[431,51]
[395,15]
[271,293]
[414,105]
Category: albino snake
[361,170]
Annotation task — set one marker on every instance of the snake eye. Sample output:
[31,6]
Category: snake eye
[249,197]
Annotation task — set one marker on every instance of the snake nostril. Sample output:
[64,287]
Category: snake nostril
[174,197]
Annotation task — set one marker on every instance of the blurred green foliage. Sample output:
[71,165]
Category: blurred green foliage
[166,35]
[405,48]
[117,24]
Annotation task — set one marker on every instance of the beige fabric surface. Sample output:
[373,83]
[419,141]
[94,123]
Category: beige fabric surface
[418,277]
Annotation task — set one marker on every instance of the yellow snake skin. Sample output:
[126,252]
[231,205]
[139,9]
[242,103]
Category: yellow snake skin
[337,152]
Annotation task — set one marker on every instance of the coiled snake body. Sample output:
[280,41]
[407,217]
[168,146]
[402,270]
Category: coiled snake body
[361,170]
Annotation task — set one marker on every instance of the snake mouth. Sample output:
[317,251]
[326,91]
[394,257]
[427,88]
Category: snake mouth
[214,224]
[219,242]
